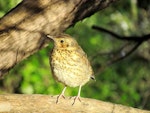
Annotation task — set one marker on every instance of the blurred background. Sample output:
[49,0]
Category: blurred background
[119,79]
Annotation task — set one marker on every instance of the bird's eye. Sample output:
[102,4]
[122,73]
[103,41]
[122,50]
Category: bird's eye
[61,41]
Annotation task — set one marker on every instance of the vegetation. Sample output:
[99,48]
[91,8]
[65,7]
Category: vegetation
[125,82]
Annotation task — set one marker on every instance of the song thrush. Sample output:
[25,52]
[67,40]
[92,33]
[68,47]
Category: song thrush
[69,63]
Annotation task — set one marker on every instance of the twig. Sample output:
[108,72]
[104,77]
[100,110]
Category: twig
[124,51]
[128,38]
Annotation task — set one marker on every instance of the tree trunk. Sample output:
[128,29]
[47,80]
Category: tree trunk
[47,104]
[23,30]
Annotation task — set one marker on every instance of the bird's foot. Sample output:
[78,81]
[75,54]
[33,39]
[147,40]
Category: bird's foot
[76,98]
[59,96]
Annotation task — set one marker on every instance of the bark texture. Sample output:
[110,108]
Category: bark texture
[47,104]
[23,30]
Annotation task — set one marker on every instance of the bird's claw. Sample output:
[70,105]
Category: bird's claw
[75,98]
[58,97]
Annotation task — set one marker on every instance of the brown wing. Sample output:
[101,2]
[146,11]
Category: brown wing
[85,59]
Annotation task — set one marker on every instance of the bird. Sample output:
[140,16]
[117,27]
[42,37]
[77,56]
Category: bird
[69,64]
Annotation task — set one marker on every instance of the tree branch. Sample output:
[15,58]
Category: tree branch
[133,43]
[47,104]
[123,53]
[23,29]
[127,38]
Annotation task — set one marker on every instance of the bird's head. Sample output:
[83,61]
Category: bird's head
[64,41]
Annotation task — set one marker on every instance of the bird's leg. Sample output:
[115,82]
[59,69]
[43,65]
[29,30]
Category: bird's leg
[78,96]
[61,95]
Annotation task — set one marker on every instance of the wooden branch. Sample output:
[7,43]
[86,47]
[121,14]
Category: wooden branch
[142,38]
[23,29]
[18,103]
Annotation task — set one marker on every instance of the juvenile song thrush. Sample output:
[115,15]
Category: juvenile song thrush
[69,63]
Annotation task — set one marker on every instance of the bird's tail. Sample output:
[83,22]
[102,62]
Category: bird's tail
[93,77]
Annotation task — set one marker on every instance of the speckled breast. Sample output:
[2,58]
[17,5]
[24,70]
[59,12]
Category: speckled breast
[70,68]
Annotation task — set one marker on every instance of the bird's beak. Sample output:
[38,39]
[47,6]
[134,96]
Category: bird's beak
[51,37]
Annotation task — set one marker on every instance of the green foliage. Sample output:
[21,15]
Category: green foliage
[6,5]
[125,82]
